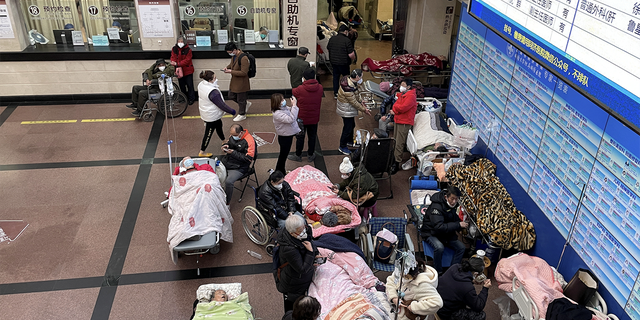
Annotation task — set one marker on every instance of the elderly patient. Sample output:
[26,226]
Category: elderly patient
[139,94]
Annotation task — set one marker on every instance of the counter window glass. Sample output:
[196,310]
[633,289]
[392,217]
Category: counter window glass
[204,18]
[115,19]
[51,20]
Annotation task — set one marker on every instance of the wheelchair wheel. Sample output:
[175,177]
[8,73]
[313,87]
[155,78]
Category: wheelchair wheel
[174,106]
[255,226]
[147,116]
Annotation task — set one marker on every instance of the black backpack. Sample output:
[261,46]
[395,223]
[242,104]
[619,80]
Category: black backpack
[252,63]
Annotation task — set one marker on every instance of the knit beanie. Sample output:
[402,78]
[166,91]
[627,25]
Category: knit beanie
[329,219]
[346,166]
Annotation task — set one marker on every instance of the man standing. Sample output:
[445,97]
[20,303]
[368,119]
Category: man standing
[239,85]
[309,96]
[239,152]
[341,53]
[440,224]
[404,113]
[297,66]
[139,94]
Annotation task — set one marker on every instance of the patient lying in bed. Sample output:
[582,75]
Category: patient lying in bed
[222,301]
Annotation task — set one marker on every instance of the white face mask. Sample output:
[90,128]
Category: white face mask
[302,235]
[215,82]
[344,176]
[180,44]
[303,80]
[232,54]
[403,89]
[161,68]
[360,81]
[278,186]
[451,205]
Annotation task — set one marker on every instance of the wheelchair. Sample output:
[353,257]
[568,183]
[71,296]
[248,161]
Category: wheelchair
[260,225]
[170,103]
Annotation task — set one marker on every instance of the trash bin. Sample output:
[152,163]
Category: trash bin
[582,286]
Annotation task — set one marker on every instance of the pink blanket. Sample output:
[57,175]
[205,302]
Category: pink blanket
[344,274]
[534,274]
[313,186]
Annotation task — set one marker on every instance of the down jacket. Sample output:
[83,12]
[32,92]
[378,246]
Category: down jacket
[284,119]
[367,183]
[280,202]
[441,221]
[457,292]
[183,58]
[349,102]
[296,276]
[309,95]
[405,107]
[244,151]
[421,291]
[339,47]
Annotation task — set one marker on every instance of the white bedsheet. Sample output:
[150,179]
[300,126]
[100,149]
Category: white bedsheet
[426,133]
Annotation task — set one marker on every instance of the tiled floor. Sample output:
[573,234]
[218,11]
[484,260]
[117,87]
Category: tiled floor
[96,245]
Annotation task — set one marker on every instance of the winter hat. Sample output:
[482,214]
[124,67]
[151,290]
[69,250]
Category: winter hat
[303,50]
[477,264]
[408,81]
[309,74]
[385,86]
[329,219]
[346,166]
[380,133]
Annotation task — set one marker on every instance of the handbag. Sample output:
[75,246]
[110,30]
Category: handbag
[179,72]
[463,135]
[385,250]
[361,200]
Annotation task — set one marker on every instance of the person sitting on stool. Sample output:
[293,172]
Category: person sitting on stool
[440,224]
[139,94]
[239,152]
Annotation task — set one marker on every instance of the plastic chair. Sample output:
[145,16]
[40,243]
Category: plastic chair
[399,229]
[247,176]
[447,255]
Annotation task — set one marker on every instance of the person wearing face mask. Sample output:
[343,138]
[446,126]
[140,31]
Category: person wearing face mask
[458,293]
[285,121]
[297,66]
[181,58]
[309,98]
[239,86]
[440,224]
[351,180]
[212,108]
[348,106]
[276,196]
[419,284]
[297,253]
[140,94]
[239,152]
[262,35]
[403,112]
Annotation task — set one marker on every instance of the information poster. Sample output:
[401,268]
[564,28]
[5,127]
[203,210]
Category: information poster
[569,161]
[516,157]
[607,258]
[553,197]
[6,31]
[525,119]
[155,18]
[579,117]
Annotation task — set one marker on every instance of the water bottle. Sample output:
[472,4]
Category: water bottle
[170,86]
[254,254]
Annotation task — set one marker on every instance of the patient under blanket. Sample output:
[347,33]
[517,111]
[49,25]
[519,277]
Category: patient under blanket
[198,206]
[238,308]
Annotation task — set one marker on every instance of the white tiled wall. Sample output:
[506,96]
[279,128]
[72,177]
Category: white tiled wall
[117,76]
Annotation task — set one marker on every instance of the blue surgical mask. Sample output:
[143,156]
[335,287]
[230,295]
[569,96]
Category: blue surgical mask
[283,103]
[262,36]
[236,137]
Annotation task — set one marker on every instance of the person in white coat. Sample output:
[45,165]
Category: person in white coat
[285,120]
[419,284]
[212,108]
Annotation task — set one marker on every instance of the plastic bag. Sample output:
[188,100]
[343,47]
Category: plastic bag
[504,304]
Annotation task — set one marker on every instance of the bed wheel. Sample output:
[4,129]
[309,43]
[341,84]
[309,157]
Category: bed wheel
[215,249]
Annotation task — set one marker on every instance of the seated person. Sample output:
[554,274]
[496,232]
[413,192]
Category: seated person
[304,308]
[458,293]
[262,35]
[277,197]
[419,285]
[440,224]
[139,94]
[239,152]
[368,192]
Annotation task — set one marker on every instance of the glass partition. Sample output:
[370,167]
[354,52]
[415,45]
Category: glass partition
[115,19]
[43,17]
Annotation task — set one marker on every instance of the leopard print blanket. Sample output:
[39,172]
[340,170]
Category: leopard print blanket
[491,205]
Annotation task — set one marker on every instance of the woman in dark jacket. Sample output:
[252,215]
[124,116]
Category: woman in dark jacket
[181,57]
[458,293]
[276,196]
[297,254]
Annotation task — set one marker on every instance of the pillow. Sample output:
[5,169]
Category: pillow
[205,292]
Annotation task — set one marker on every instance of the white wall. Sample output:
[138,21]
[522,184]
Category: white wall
[425,26]
[18,43]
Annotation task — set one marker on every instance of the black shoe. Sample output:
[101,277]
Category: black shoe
[136,113]
[394,168]
[353,145]
[131,106]
[192,102]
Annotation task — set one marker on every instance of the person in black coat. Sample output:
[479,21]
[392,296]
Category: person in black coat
[461,302]
[340,47]
[297,255]
[276,196]
[440,224]
[305,308]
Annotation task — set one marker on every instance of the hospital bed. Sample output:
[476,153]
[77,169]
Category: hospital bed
[237,306]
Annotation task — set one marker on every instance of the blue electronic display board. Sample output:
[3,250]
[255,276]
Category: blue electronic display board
[516,157]
[466,57]
[492,89]
[525,119]
[534,81]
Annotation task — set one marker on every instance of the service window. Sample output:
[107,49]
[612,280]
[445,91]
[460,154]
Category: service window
[51,21]
[115,19]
